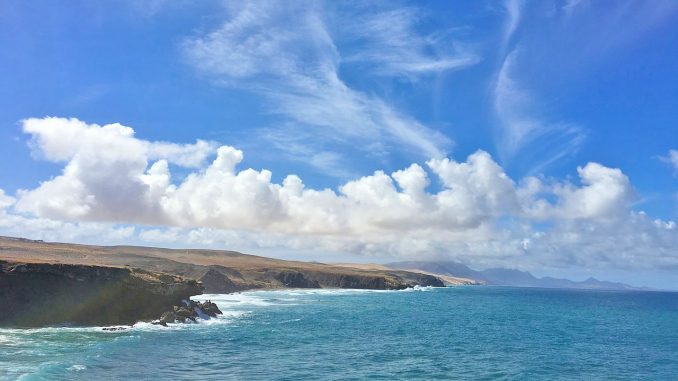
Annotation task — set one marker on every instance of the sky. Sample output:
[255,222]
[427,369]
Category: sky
[536,135]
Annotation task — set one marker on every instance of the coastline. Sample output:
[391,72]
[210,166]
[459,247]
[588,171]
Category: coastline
[44,284]
[38,294]
[471,328]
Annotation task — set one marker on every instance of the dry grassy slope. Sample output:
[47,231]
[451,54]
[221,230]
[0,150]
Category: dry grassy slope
[447,279]
[452,280]
[220,271]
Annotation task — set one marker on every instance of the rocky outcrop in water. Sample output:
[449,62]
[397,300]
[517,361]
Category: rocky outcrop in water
[189,310]
[40,294]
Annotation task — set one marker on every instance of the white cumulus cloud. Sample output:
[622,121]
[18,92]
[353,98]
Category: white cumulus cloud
[105,176]
[116,186]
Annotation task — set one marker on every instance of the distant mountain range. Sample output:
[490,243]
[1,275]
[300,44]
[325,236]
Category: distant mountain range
[508,277]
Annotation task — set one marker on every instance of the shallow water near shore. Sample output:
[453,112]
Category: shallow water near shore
[491,333]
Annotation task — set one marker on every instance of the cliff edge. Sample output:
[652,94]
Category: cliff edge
[220,271]
[44,283]
[41,294]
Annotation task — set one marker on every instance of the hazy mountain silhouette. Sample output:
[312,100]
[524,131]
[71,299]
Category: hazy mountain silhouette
[508,277]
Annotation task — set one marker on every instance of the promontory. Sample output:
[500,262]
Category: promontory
[44,284]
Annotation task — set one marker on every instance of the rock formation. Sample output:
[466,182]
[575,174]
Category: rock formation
[189,310]
[220,271]
[45,283]
[39,294]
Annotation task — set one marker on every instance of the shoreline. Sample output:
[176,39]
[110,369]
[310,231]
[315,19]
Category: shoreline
[44,284]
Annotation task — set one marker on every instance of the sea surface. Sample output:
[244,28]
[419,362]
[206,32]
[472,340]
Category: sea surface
[482,333]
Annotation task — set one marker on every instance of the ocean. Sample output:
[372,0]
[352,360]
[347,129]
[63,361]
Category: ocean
[455,333]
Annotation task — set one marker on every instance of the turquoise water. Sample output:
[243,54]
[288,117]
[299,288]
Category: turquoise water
[487,333]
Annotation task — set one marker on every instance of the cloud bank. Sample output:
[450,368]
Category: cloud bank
[117,186]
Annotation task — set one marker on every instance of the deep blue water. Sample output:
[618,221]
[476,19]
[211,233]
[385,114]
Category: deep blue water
[485,333]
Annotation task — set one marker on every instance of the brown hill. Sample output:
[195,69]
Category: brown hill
[220,271]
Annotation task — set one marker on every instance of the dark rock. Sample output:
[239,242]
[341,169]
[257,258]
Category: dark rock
[159,322]
[39,294]
[113,329]
[391,280]
[209,308]
[168,317]
[295,279]
[190,310]
[216,282]
[425,280]
[184,312]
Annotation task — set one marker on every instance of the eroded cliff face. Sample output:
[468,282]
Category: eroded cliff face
[45,283]
[396,280]
[223,280]
[43,294]
[40,294]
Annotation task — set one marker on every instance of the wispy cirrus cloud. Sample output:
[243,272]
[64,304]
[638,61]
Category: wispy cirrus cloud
[672,159]
[514,12]
[524,134]
[386,42]
[296,68]
[565,40]
[295,147]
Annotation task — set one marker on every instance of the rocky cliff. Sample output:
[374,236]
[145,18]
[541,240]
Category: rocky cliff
[40,294]
[45,283]
[218,279]
[220,271]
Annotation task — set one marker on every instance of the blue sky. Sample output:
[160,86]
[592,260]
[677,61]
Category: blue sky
[334,91]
